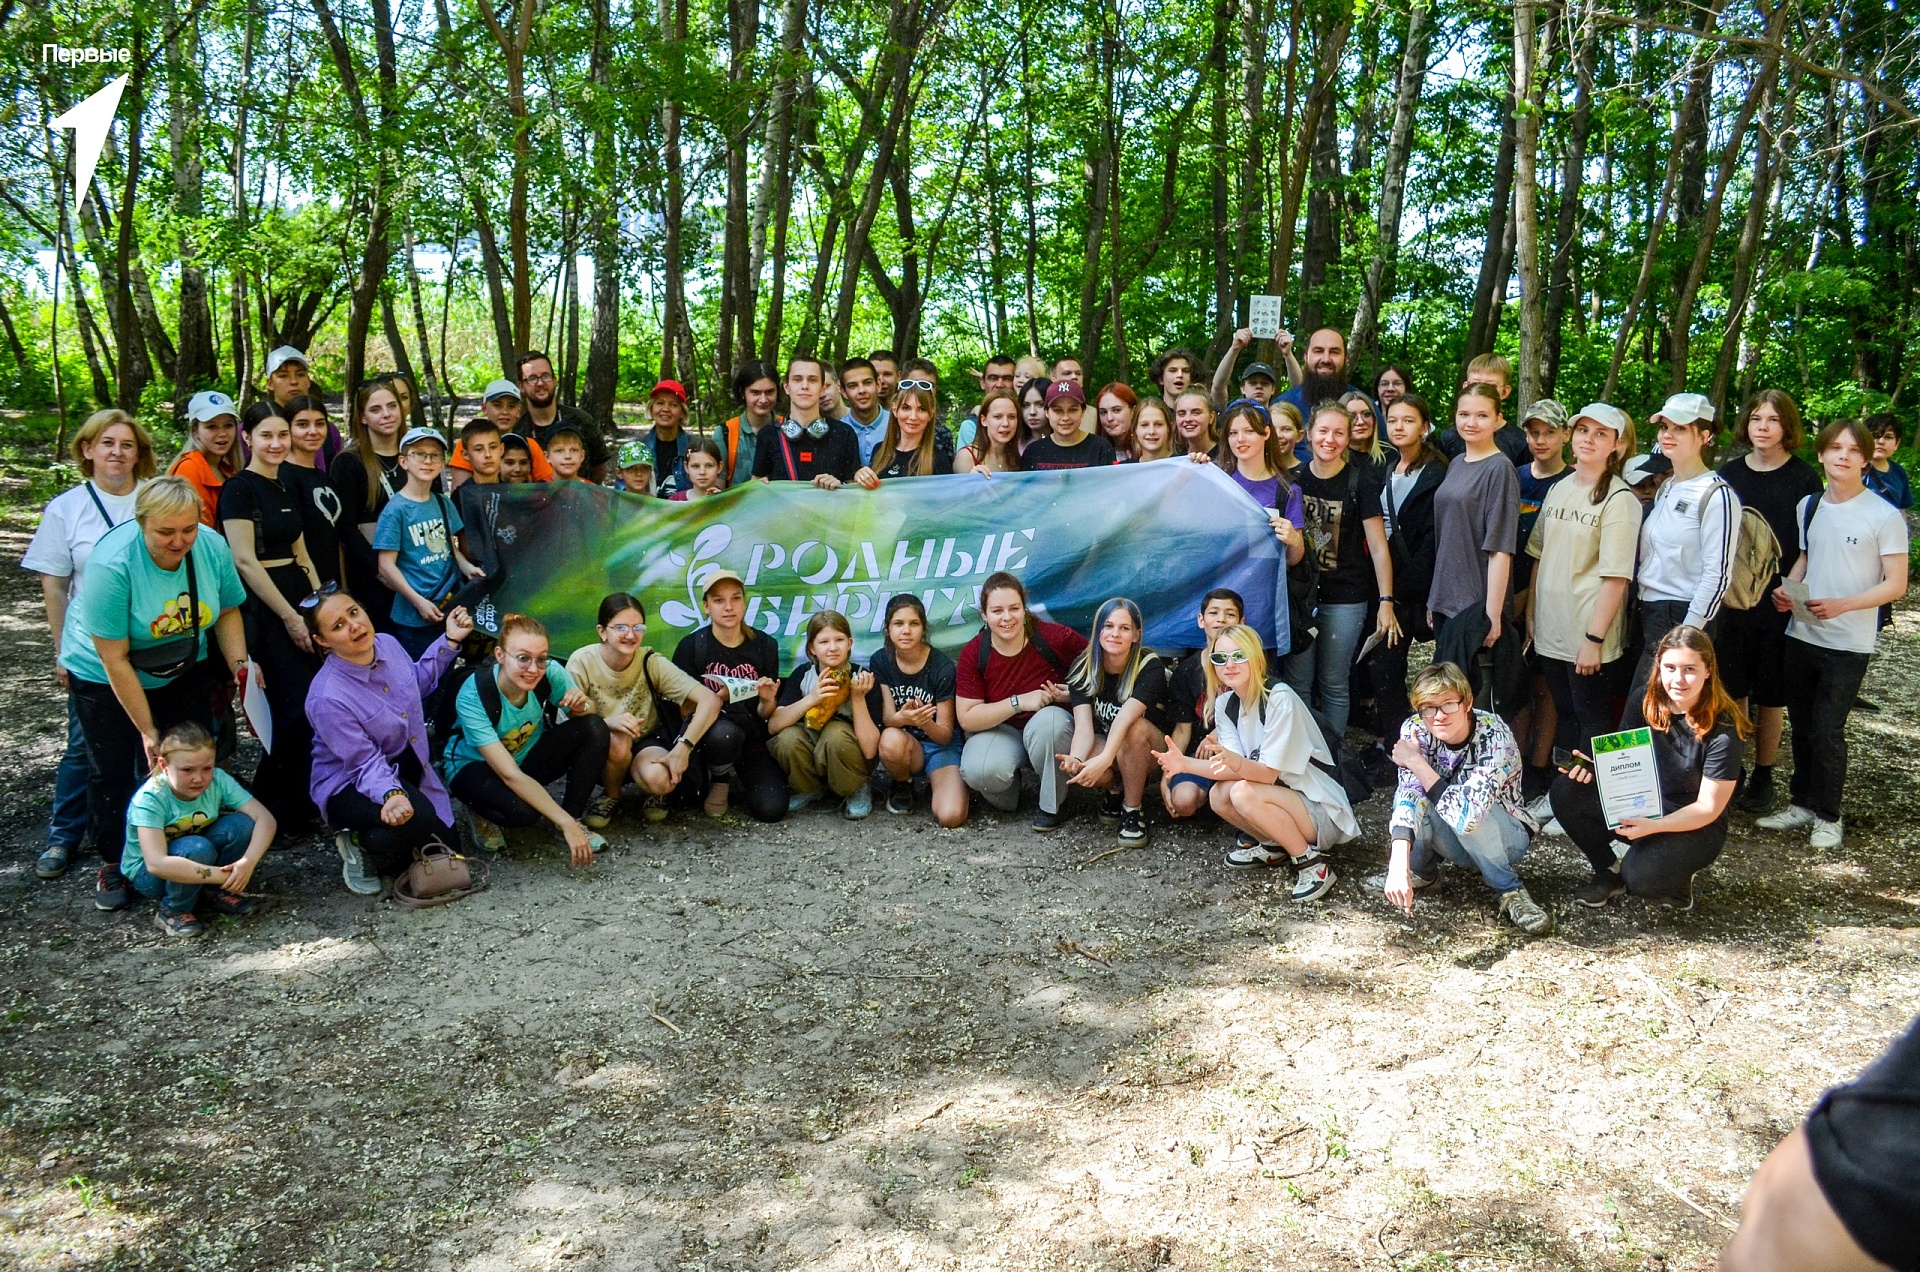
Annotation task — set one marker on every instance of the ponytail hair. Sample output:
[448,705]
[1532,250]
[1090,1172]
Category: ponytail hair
[512,625]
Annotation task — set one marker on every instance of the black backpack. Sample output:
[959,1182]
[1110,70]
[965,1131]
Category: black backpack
[1343,768]
[1034,638]
[445,717]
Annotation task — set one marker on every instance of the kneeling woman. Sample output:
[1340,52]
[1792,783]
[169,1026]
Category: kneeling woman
[826,721]
[1266,772]
[1119,699]
[192,826]
[372,779]
[918,736]
[1698,734]
[627,683]
[518,725]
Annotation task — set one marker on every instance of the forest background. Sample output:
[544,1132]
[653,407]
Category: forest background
[1626,198]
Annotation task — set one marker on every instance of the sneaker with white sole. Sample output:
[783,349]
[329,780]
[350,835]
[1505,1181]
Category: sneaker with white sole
[1133,826]
[1526,913]
[1792,817]
[353,866]
[1541,810]
[859,804]
[900,798]
[1247,856]
[1828,834]
[655,809]
[1553,829]
[486,836]
[600,811]
[800,801]
[1315,879]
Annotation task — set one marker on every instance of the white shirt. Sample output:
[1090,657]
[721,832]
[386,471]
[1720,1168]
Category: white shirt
[1687,545]
[1844,546]
[1285,738]
[69,528]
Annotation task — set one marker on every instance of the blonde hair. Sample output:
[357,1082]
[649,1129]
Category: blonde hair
[1165,413]
[165,497]
[1033,368]
[1492,364]
[99,422]
[1439,681]
[1247,641]
[186,737]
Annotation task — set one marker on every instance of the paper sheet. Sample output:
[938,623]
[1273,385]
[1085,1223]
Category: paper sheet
[1628,774]
[1799,593]
[1263,317]
[1371,643]
[254,703]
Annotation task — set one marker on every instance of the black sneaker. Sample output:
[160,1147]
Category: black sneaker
[1757,799]
[1044,820]
[1133,826]
[1863,704]
[110,892]
[222,904]
[1111,809]
[900,797]
[1597,891]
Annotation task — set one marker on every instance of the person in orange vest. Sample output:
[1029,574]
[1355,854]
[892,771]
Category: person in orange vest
[756,387]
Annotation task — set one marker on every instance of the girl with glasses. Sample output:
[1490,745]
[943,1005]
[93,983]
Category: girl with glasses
[1270,769]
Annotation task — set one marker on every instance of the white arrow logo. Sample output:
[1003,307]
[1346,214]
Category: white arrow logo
[90,121]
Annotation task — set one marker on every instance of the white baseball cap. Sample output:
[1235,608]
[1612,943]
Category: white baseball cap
[283,355]
[1641,467]
[500,389]
[1686,409]
[210,404]
[1602,413]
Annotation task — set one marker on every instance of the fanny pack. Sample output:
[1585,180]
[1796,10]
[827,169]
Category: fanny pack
[171,659]
[439,875]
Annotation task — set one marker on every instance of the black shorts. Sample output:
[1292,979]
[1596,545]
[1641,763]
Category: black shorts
[1752,649]
[1865,1141]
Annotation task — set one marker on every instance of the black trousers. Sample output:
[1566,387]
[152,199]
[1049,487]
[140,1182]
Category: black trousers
[282,779]
[1821,687]
[735,752]
[575,749]
[389,849]
[1657,618]
[116,757]
[1384,673]
[1584,703]
[1655,866]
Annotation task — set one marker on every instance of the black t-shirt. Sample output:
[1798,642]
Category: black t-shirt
[781,458]
[1864,1138]
[1091,451]
[1187,694]
[1684,759]
[942,459]
[1776,495]
[263,501]
[1149,687]
[1533,497]
[795,687]
[1510,438]
[321,516]
[704,658]
[1336,508]
[933,683]
[479,508]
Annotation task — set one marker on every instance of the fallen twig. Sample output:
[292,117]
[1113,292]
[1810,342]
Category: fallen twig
[1108,853]
[936,1113]
[654,1011]
[1722,1220]
[1067,948]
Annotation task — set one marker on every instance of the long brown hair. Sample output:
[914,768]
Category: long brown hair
[1793,433]
[1712,705]
[921,464]
[1008,454]
[1624,444]
[1259,421]
[1428,452]
[362,443]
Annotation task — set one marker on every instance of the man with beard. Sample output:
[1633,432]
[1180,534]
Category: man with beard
[1323,376]
[538,388]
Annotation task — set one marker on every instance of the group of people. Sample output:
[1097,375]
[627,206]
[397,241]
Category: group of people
[1566,598]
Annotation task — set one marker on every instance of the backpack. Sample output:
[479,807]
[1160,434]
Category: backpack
[446,717]
[1034,638]
[1343,768]
[1756,559]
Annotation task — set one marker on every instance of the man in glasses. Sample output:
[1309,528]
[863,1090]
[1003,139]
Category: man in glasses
[539,390]
[866,415]
[1459,799]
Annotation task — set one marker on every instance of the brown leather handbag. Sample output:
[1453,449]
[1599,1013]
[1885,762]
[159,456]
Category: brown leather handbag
[439,875]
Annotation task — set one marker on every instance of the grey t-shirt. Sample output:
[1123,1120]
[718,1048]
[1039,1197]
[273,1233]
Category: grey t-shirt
[1476,512]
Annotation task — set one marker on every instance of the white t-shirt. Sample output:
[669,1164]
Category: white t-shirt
[69,528]
[1687,544]
[1844,546]
[1286,739]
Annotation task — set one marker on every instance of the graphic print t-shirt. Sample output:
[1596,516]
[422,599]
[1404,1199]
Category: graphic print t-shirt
[422,533]
[730,671]
[519,728]
[932,684]
[127,597]
[1149,687]
[156,806]
[322,514]
[1336,509]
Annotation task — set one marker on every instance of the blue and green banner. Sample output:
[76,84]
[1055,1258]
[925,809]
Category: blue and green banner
[1162,534]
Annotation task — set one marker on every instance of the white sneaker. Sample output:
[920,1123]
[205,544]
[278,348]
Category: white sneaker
[1828,834]
[353,866]
[1792,817]
[1551,826]
[1541,810]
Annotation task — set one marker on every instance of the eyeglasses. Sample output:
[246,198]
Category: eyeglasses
[1434,711]
[525,660]
[626,629]
[319,594]
[923,385]
[1233,657]
[545,377]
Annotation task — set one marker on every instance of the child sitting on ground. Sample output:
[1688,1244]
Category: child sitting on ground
[190,826]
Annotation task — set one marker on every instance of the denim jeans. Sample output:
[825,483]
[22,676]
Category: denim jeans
[222,844]
[1821,686]
[1322,674]
[67,827]
[1493,847]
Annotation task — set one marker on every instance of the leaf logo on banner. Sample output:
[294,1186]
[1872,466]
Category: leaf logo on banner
[703,565]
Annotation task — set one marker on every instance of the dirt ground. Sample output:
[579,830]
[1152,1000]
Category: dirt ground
[892,1046]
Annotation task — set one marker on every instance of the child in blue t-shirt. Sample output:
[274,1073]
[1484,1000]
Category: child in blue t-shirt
[420,558]
[194,835]
[1885,475]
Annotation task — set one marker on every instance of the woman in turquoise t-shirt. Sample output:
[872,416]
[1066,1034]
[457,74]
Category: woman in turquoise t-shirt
[194,835]
[153,589]
[504,749]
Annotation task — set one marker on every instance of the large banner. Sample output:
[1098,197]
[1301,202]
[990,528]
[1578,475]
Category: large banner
[1161,534]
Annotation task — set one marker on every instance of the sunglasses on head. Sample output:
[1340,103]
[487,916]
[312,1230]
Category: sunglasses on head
[318,595]
[925,386]
[1232,657]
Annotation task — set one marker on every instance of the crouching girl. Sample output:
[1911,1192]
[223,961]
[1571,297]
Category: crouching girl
[826,722]
[919,740]
[190,826]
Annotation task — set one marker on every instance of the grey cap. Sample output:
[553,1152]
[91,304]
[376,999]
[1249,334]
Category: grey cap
[283,355]
[414,436]
[500,389]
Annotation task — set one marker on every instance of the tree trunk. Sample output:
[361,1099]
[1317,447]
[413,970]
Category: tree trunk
[1769,159]
[426,389]
[1253,110]
[736,323]
[194,362]
[776,176]
[1377,285]
[1489,293]
[1323,222]
[603,349]
[1527,54]
[1326,78]
[1026,194]
[397,347]
[1566,230]
[1098,177]
[673,322]
[237,318]
[494,271]
[1224,302]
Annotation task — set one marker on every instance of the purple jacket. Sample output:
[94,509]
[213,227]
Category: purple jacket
[363,717]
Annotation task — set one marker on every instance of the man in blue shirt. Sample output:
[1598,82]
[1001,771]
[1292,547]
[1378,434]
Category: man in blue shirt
[865,414]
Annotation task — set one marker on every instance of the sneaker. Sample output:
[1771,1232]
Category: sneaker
[1757,799]
[715,805]
[800,801]
[655,808]
[1828,834]
[187,924]
[1553,829]
[597,843]
[1792,817]
[1541,810]
[1866,705]
[1133,826]
[53,862]
[1244,840]
[1111,809]
[110,890]
[1044,820]
[859,804]
[1525,912]
[353,866]
[1597,891]
[1247,856]
[223,904]
[1315,880]
[900,798]
[486,836]
[599,814]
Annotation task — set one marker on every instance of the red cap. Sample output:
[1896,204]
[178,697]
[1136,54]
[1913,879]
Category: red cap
[669,386]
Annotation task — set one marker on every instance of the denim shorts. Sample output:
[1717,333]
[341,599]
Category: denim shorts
[1204,783]
[939,756]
